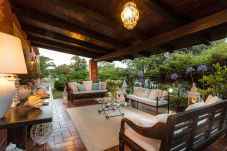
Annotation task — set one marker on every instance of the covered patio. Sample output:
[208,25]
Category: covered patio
[94,29]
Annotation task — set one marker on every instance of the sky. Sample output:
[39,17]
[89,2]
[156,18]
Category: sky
[63,58]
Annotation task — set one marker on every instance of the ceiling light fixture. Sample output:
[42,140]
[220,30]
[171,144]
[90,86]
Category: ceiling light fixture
[130,15]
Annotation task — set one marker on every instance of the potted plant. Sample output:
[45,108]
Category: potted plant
[180,98]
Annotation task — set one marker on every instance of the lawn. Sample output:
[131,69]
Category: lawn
[57,94]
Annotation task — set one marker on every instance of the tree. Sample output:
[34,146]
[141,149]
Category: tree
[142,65]
[45,64]
[62,69]
[112,73]
[80,63]
[105,64]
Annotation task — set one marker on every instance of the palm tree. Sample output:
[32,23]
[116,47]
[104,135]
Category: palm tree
[45,63]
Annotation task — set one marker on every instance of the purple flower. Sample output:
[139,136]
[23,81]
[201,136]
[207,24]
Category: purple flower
[174,76]
[202,68]
[190,69]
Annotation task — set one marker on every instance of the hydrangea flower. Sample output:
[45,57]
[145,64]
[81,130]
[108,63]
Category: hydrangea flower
[202,68]
[190,69]
[174,76]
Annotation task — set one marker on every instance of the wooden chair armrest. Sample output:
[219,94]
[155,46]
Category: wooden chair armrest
[156,132]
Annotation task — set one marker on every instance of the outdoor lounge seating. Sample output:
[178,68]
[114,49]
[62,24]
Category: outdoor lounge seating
[86,90]
[193,129]
[152,97]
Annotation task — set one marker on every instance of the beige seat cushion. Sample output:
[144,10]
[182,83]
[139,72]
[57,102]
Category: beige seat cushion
[211,99]
[146,143]
[153,94]
[146,100]
[194,106]
[87,85]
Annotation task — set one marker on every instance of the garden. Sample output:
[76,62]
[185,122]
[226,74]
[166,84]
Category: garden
[204,65]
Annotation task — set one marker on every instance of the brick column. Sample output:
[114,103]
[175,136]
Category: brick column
[3,139]
[93,70]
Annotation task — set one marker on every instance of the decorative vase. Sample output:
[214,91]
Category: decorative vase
[23,92]
[113,94]
[7,92]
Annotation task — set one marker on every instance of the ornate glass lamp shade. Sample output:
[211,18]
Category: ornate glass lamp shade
[130,15]
[11,62]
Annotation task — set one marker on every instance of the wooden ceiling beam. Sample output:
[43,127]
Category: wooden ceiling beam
[55,36]
[50,20]
[163,9]
[62,45]
[60,49]
[114,25]
[34,37]
[216,19]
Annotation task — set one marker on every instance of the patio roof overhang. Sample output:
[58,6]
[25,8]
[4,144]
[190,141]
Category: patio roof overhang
[94,29]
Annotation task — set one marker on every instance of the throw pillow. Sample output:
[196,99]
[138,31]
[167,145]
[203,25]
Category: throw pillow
[211,100]
[137,91]
[208,98]
[145,93]
[159,93]
[194,106]
[140,91]
[134,91]
[73,86]
[96,86]
[81,87]
[152,95]
[164,96]
[103,85]
[87,85]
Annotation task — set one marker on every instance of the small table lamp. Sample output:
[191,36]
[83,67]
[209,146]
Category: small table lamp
[11,62]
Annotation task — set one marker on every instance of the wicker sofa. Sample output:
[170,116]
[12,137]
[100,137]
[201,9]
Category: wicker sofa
[151,97]
[194,129]
[74,94]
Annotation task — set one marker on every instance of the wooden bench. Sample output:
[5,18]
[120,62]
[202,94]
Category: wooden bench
[77,96]
[190,130]
[146,101]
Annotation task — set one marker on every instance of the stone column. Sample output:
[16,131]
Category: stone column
[93,70]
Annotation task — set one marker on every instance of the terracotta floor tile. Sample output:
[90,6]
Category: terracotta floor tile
[66,133]
[58,139]
[70,138]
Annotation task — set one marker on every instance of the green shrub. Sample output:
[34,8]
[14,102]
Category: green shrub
[112,73]
[78,76]
[59,84]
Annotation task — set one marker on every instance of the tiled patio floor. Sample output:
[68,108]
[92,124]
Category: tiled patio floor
[66,138]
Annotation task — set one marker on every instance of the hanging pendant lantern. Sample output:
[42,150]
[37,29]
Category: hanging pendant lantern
[130,15]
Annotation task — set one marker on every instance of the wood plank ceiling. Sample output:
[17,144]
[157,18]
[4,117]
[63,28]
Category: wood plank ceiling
[94,29]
